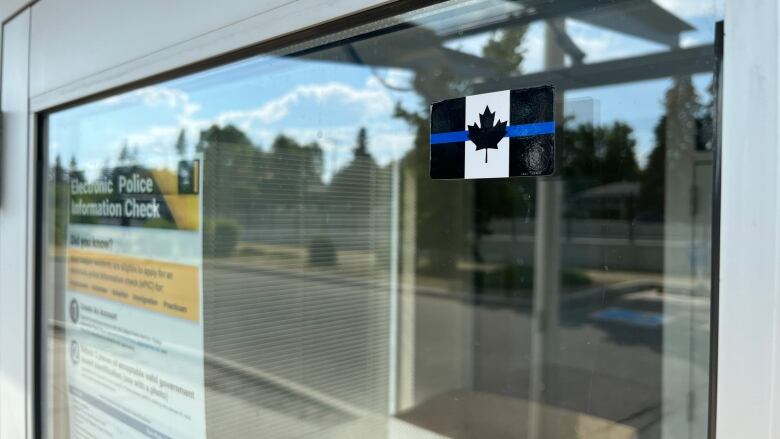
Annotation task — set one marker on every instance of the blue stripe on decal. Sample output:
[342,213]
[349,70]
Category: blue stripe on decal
[530,129]
[452,136]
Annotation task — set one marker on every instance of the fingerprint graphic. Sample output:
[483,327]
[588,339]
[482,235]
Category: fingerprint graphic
[536,159]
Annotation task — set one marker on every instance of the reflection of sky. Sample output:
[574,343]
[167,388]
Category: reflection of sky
[328,102]
[322,102]
[639,104]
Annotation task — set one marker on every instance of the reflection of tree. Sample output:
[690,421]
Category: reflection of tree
[230,167]
[503,49]
[686,124]
[214,136]
[358,200]
[295,167]
[445,208]
[353,186]
[652,181]
[441,243]
[501,198]
[283,189]
[361,144]
[619,156]
[58,197]
[597,155]
[593,157]
[180,147]
[279,193]
[127,155]
[57,171]
[74,173]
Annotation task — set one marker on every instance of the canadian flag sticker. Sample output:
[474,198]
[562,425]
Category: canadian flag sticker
[493,135]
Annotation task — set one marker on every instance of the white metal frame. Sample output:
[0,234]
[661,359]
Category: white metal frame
[749,326]
[16,234]
[215,30]
[17,231]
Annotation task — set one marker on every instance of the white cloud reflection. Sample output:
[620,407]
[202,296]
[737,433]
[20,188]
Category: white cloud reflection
[693,8]
[372,105]
[371,99]
[157,95]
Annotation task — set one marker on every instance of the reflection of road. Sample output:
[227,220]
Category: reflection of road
[290,355]
[641,253]
[608,360]
[609,364]
[318,342]
[285,355]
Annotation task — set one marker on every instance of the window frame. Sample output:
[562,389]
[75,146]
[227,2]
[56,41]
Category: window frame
[41,109]
[57,100]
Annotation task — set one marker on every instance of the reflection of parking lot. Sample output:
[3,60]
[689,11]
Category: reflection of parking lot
[607,361]
[627,316]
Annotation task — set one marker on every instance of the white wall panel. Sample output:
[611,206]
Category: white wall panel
[749,293]
[80,47]
[15,226]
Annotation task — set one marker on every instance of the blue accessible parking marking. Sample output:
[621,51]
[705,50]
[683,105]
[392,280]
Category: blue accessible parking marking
[630,317]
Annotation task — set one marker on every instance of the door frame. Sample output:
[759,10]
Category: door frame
[748,308]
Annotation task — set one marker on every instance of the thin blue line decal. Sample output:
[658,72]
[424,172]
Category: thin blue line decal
[529,129]
[452,136]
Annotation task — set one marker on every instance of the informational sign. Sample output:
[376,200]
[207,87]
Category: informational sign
[134,297]
[507,133]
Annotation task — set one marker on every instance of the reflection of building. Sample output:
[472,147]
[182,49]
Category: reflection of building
[610,201]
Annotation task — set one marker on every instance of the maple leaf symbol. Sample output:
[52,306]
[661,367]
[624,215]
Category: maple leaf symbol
[487,136]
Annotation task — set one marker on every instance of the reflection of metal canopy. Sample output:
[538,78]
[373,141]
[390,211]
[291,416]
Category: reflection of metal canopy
[640,68]
[643,19]
[419,46]
[416,49]
[639,18]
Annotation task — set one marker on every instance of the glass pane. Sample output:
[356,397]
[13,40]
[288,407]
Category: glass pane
[258,249]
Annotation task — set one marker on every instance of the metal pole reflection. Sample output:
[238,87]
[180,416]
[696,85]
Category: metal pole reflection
[547,258]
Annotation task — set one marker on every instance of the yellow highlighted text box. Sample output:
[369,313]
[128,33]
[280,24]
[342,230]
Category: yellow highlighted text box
[164,287]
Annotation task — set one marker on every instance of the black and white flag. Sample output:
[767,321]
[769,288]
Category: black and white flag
[507,133]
